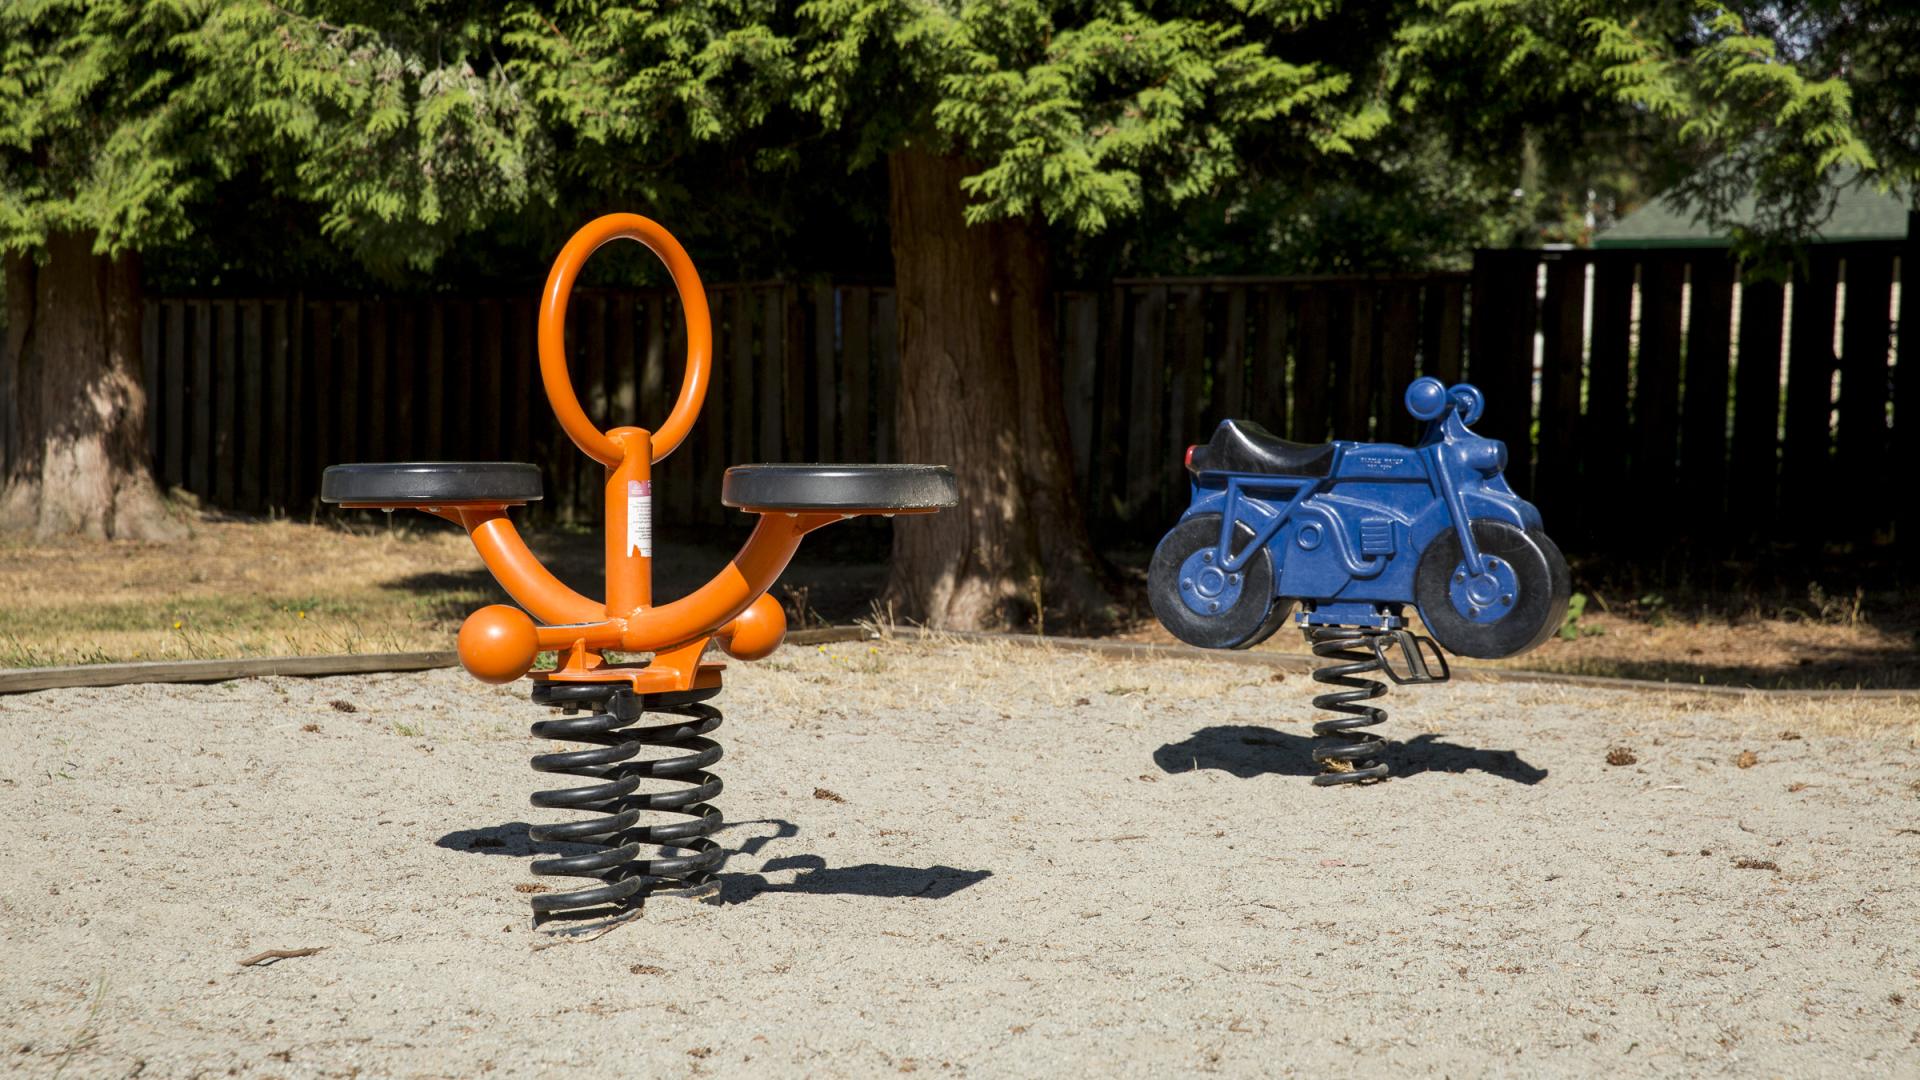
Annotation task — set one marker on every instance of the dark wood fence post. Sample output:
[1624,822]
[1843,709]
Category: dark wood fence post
[1703,407]
[1505,312]
[1556,484]
[1861,439]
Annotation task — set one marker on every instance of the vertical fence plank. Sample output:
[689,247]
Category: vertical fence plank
[623,369]
[321,379]
[524,386]
[174,376]
[156,417]
[377,411]
[1272,314]
[200,447]
[1446,319]
[653,369]
[1755,471]
[1656,390]
[1399,344]
[278,401]
[793,422]
[1106,488]
[857,360]
[351,402]
[826,382]
[1186,358]
[491,415]
[1146,401]
[770,382]
[1604,427]
[1806,457]
[1500,353]
[1081,353]
[1562,316]
[403,382]
[1312,367]
[1861,440]
[226,403]
[252,418]
[1357,379]
[1703,408]
[434,375]
[1230,378]
[302,477]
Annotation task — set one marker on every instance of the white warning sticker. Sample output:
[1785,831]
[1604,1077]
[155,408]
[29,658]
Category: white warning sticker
[640,518]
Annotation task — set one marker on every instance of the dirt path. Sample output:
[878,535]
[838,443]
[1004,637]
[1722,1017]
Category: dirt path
[1017,863]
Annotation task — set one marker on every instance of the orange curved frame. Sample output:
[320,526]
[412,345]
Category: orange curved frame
[498,643]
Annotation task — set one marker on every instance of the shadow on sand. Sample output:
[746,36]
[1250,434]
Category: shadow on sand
[1247,751]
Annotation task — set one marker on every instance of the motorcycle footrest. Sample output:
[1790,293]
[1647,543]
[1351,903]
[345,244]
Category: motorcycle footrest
[1413,651]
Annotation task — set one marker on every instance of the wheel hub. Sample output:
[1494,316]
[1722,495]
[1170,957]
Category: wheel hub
[1485,598]
[1206,587]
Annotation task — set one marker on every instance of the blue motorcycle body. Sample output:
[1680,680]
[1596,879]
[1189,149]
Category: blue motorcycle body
[1355,532]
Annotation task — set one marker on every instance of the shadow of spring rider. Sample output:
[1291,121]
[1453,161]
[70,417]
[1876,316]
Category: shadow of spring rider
[1354,532]
[498,643]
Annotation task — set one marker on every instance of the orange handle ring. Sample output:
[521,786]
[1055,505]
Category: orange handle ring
[553,327]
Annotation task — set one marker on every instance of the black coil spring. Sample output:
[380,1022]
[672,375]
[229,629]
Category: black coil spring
[1345,753]
[617,803]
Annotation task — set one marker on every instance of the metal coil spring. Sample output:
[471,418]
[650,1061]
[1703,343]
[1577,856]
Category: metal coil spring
[617,803]
[1346,754]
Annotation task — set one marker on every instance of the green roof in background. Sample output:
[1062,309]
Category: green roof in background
[1864,212]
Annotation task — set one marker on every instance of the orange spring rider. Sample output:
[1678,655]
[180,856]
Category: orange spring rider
[498,643]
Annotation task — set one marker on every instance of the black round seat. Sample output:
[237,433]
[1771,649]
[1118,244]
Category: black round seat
[843,488]
[431,483]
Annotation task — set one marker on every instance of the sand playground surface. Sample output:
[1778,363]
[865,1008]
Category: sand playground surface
[974,859]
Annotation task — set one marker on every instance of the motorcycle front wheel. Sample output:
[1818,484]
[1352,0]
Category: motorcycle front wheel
[1516,605]
[1201,602]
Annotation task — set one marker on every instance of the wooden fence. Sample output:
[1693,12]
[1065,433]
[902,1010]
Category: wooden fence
[250,399]
[1642,395]
[1677,401]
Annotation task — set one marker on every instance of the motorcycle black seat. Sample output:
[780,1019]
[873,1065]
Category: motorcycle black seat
[1244,446]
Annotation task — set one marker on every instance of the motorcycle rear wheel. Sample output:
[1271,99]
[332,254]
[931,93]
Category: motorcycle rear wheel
[1248,616]
[1538,605]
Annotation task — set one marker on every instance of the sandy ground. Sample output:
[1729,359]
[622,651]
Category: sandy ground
[1018,862]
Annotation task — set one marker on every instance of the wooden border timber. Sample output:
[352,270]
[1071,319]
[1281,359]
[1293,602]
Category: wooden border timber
[25,680]
[1303,662]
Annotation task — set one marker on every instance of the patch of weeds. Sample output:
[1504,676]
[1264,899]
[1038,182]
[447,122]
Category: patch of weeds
[1123,691]
[411,731]
[338,705]
[829,796]
[1756,864]
[646,969]
[1621,755]
[871,663]
[1571,629]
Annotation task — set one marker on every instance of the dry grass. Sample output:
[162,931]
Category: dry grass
[379,584]
[233,589]
[357,584]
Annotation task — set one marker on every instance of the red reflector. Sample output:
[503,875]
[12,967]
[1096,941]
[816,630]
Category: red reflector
[1189,460]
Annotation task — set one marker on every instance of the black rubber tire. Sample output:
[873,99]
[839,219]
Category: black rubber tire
[1544,586]
[1247,622]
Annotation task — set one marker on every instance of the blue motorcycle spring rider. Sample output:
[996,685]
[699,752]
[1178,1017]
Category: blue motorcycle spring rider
[1354,533]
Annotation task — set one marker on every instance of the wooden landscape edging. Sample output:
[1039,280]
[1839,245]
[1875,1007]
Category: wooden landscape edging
[24,680]
[1304,663]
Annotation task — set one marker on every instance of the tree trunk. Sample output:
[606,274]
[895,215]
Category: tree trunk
[980,390]
[75,456]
